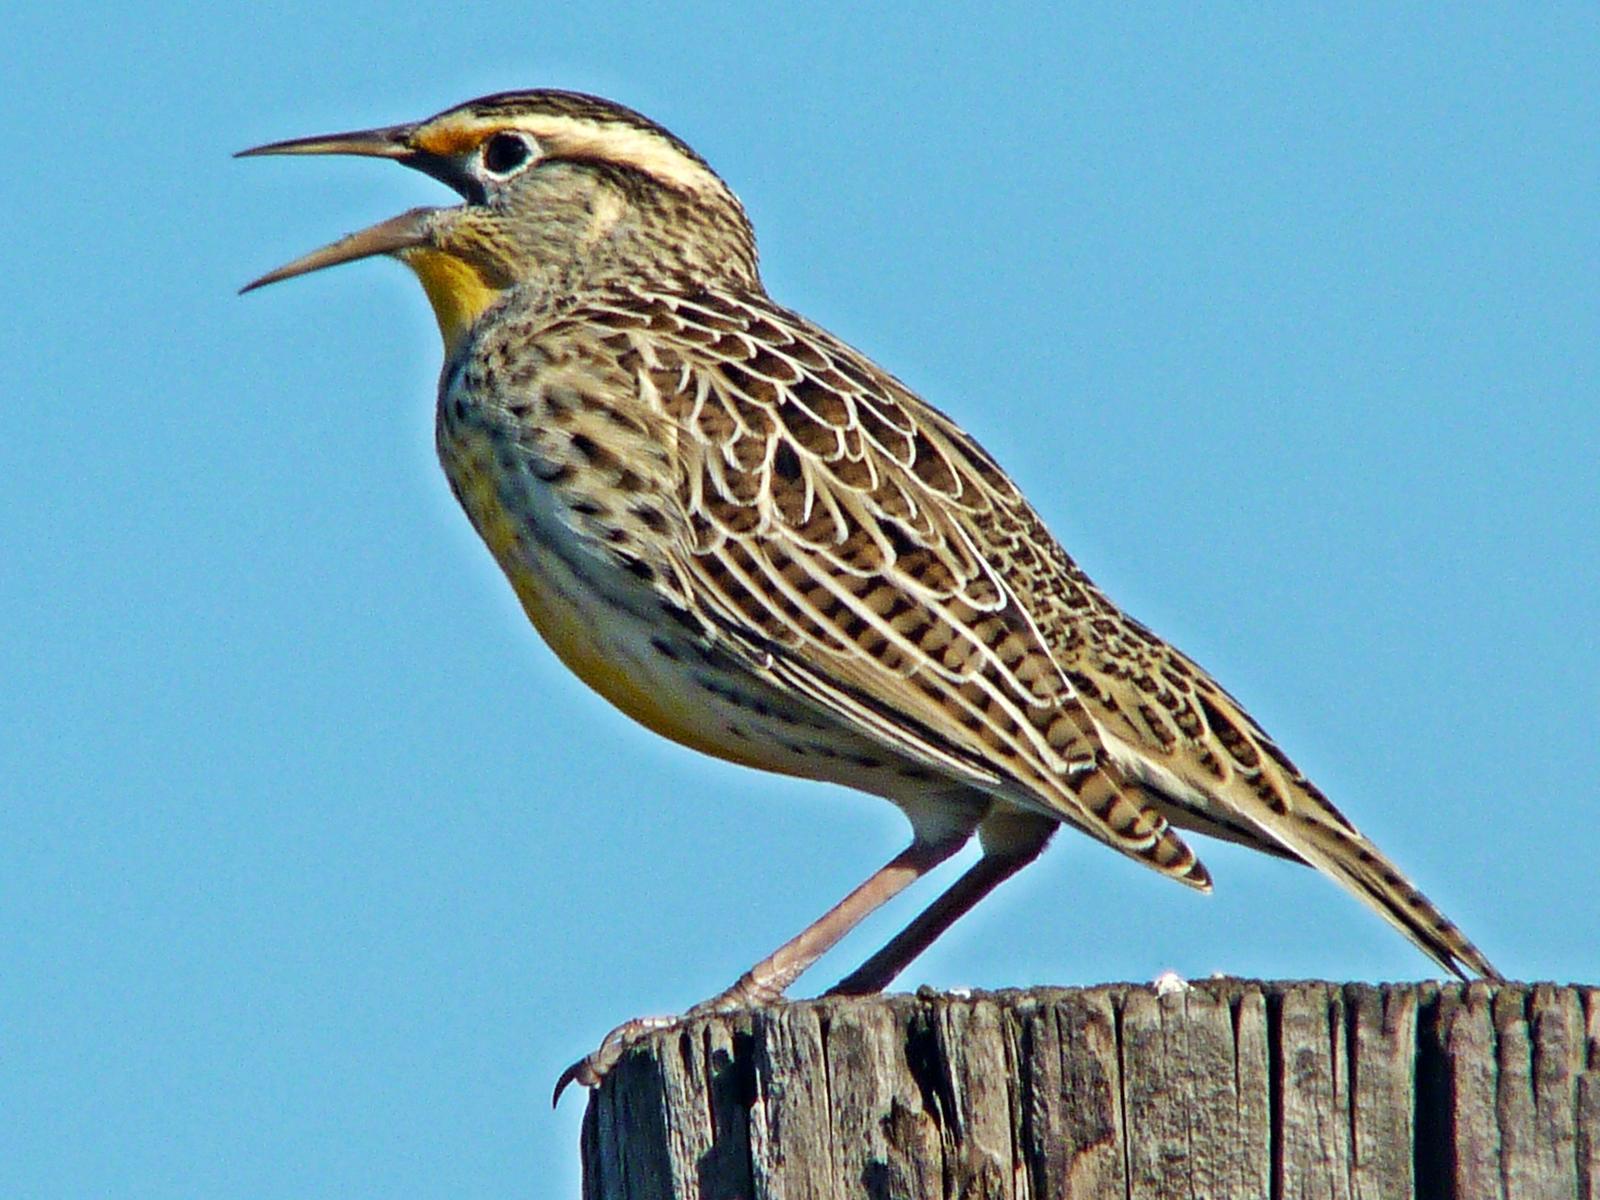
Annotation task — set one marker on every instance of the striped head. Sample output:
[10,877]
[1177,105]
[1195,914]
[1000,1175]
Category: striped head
[560,191]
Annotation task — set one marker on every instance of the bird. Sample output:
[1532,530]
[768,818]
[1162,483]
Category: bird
[758,543]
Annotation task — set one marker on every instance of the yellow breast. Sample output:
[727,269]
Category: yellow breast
[587,634]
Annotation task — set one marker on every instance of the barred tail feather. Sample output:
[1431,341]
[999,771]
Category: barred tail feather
[1358,864]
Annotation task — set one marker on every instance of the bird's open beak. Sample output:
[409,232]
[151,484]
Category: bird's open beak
[393,141]
[405,232]
[408,230]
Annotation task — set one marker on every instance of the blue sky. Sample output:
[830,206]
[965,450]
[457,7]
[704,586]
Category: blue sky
[316,868]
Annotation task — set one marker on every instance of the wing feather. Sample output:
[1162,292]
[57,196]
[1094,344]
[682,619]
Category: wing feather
[837,535]
[858,548]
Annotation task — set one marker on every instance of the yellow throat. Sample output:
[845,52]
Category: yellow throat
[456,289]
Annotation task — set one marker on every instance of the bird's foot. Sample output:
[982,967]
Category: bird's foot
[594,1067]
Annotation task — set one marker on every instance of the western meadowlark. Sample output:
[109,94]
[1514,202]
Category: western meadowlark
[752,539]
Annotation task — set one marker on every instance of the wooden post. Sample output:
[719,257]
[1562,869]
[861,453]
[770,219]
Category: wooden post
[1231,1088]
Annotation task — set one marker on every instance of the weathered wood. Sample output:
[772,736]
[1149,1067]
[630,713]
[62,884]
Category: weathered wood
[1230,1088]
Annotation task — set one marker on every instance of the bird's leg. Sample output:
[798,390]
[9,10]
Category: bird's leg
[765,982]
[1010,842]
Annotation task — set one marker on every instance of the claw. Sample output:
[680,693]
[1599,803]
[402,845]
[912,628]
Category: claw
[592,1068]
[578,1072]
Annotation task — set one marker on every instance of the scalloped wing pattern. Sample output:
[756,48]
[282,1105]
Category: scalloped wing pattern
[863,551]
[836,531]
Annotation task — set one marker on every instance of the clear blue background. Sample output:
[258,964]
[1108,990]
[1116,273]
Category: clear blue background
[315,867]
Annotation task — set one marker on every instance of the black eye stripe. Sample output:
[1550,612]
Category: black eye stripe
[505,152]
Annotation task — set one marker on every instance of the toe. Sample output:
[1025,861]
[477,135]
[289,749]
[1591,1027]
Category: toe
[592,1068]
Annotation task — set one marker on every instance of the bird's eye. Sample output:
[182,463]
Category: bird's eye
[505,152]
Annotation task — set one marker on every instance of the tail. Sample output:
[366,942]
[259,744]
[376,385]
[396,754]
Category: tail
[1250,792]
[1341,851]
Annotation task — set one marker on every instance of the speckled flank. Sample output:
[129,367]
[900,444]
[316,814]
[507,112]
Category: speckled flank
[538,507]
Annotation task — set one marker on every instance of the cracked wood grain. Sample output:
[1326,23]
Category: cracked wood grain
[1232,1088]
